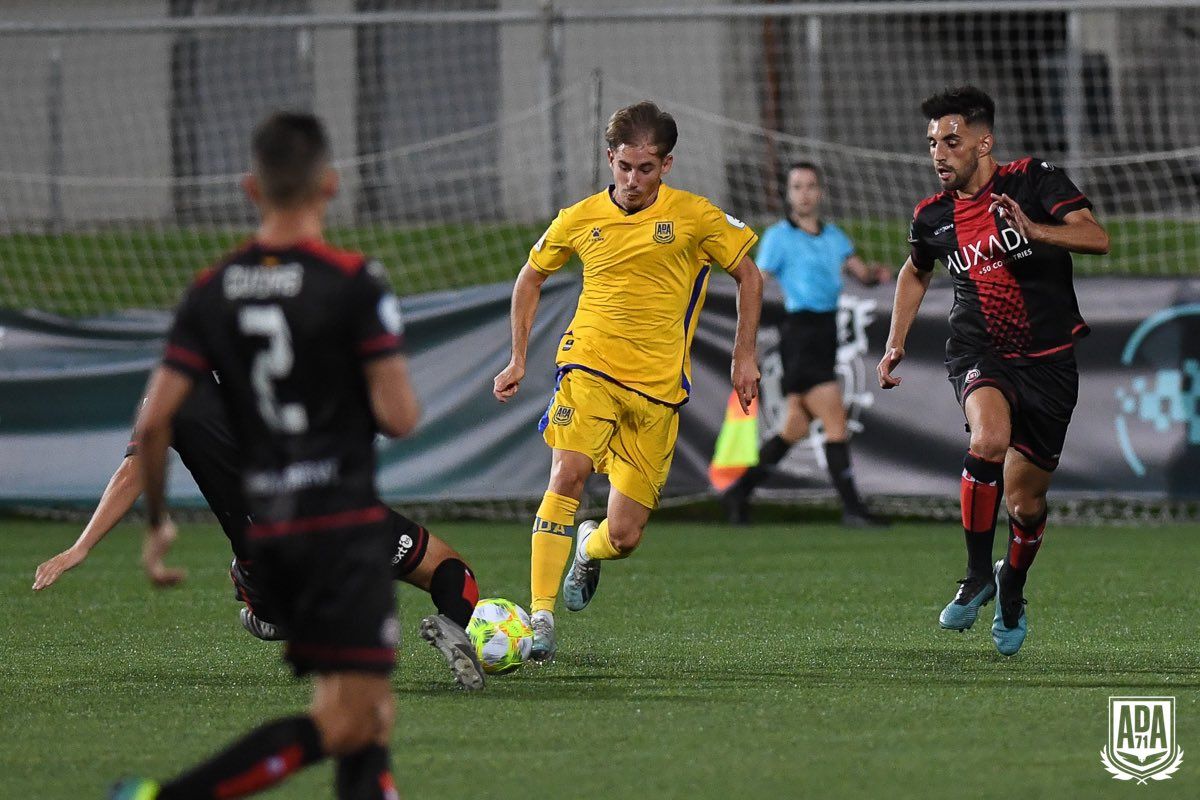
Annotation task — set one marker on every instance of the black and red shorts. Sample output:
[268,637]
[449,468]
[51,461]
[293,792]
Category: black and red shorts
[808,344]
[333,593]
[1041,397]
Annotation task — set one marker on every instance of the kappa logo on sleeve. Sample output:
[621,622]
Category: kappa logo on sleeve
[390,315]
[734,221]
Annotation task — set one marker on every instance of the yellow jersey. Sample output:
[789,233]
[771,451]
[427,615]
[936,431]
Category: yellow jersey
[644,278]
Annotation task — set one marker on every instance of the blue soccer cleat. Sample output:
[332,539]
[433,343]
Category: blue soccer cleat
[133,789]
[584,575]
[973,594]
[1009,625]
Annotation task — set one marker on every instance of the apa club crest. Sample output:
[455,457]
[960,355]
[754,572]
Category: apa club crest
[1141,739]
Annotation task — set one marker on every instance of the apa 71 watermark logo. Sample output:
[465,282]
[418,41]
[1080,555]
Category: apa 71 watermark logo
[1141,739]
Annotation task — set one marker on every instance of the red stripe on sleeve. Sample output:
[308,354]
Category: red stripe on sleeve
[1075,199]
[181,355]
[385,341]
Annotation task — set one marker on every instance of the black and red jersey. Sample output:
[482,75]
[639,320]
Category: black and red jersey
[201,435]
[1012,298]
[288,330]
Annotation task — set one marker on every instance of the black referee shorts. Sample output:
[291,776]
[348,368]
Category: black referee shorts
[1041,397]
[335,597]
[808,346]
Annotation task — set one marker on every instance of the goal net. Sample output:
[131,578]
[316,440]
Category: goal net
[460,128]
[458,133]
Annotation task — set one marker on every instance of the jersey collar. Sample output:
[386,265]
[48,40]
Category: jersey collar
[984,190]
[662,187]
[820,226]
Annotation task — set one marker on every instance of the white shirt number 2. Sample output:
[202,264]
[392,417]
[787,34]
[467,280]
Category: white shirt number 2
[272,364]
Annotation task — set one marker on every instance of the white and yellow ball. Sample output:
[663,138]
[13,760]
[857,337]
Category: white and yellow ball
[500,632]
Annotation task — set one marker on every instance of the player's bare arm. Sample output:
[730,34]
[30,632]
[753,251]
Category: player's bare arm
[911,285]
[164,395]
[527,291]
[744,371]
[393,401]
[1079,232]
[119,496]
[867,274]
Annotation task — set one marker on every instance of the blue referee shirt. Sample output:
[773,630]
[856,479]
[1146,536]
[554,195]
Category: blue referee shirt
[809,268]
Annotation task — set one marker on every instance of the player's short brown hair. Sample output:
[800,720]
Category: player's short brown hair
[974,104]
[290,151]
[635,124]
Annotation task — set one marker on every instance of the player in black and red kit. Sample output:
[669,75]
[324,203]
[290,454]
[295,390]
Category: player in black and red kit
[1006,233]
[307,340]
[201,435]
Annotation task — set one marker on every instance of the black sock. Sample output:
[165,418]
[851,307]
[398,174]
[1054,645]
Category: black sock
[980,492]
[837,460]
[771,453]
[261,759]
[454,590]
[365,775]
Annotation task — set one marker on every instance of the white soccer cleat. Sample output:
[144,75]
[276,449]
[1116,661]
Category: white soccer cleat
[445,635]
[545,644]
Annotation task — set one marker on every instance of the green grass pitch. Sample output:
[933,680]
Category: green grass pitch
[784,661]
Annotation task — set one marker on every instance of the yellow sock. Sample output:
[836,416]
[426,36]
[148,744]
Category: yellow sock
[553,537]
[600,547]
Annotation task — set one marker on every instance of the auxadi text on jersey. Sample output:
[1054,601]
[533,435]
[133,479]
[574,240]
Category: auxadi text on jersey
[996,248]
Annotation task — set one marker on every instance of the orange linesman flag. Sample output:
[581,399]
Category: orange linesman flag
[737,444]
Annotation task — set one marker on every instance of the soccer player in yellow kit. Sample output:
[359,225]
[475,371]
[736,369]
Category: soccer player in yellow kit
[623,364]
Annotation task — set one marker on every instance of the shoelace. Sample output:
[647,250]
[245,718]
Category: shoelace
[580,574]
[963,585]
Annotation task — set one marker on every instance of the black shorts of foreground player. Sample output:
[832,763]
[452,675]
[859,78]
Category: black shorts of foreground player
[808,255]
[1006,233]
[308,343]
[201,435]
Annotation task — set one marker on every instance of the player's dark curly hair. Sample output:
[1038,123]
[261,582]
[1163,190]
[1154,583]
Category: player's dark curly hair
[635,124]
[290,151]
[972,103]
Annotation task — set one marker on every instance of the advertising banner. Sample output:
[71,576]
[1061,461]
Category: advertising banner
[68,390]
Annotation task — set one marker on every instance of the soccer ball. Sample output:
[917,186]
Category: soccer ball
[499,630]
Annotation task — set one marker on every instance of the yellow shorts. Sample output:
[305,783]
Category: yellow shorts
[628,437]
